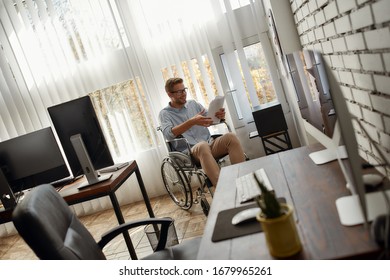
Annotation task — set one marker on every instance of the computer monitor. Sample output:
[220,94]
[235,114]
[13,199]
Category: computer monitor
[82,138]
[337,135]
[360,207]
[32,159]
[315,102]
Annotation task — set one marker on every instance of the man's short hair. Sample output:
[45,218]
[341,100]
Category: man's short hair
[171,82]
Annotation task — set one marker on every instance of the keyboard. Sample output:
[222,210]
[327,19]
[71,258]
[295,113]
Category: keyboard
[247,188]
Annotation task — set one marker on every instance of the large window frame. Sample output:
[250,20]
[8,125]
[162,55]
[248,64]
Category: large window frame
[242,105]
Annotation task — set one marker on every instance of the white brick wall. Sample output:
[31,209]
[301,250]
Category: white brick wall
[310,22]
[345,5]
[371,130]
[361,96]
[355,42]
[351,61]
[386,59]
[337,61]
[386,121]
[362,18]
[319,33]
[327,47]
[355,109]
[343,24]
[364,81]
[384,140]
[346,77]
[372,62]
[330,29]
[381,11]
[378,39]
[330,10]
[382,84]
[339,44]
[380,103]
[347,92]
[321,3]
[312,6]
[373,118]
[354,36]
[320,17]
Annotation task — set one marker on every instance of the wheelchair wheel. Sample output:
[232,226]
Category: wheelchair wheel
[176,184]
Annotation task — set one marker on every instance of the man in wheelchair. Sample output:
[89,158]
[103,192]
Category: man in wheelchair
[187,118]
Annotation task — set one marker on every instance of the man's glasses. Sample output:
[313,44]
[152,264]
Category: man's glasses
[180,91]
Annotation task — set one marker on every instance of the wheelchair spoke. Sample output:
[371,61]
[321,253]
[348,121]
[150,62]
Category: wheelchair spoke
[175,185]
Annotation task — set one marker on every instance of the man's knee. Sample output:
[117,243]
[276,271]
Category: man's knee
[231,138]
[201,148]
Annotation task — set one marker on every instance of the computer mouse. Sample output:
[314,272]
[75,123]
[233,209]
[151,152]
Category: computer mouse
[372,181]
[245,215]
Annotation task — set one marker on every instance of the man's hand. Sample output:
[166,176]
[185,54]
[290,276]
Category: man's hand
[201,120]
[220,114]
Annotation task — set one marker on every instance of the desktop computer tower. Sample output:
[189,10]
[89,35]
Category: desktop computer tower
[6,195]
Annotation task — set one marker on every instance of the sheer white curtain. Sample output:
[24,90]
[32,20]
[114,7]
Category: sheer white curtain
[173,35]
[119,52]
[52,51]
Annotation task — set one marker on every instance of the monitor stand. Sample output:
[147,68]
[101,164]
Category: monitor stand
[350,212]
[7,197]
[349,209]
[89,171]
[328,155]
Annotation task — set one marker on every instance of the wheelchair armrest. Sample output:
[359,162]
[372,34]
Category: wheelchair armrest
[164,222]
[180,138]
[214,136]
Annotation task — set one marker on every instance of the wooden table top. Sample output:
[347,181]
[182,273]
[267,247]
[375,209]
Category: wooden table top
[311,189]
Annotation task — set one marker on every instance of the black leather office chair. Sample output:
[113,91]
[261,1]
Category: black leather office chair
[51,229]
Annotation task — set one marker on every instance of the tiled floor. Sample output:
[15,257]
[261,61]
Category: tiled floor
[188,224]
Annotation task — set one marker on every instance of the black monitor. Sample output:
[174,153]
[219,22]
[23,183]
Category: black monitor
[32,159]
[82,138]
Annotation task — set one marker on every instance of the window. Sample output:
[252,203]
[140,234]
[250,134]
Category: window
[194,66]
[117,107]
[88,26]
[235,4]
[259,72]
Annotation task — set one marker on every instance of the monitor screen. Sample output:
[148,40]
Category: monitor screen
[313,92]
[317,105]
[32,159]
[78,117]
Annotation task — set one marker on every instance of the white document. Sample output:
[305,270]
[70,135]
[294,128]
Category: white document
[214,107]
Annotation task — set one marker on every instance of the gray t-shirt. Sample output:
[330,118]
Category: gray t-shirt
[170,117]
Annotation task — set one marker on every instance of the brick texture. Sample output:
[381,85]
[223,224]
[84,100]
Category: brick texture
[354,36]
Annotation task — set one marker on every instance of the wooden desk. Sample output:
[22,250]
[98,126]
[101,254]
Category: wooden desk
[311,189]
[107,188]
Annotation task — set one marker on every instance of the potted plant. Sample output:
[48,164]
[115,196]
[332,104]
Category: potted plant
[278,224]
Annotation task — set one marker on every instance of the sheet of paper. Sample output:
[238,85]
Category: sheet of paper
[214,107]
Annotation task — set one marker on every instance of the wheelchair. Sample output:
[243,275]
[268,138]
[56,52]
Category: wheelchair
[180,172]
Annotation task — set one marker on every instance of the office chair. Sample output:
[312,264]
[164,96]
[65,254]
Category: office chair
[51,229]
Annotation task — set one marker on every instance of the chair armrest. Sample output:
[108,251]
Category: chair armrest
[180,139]
[164,222]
